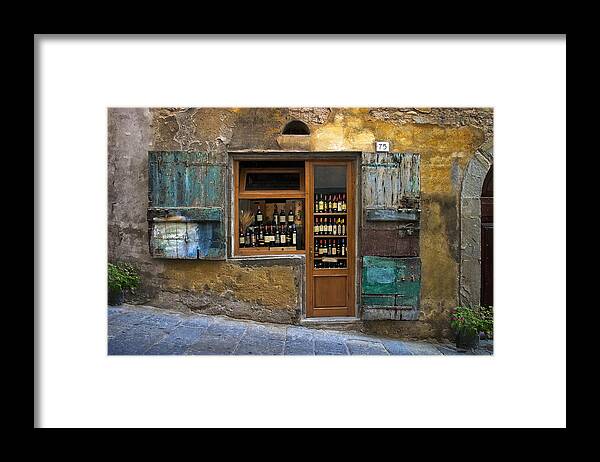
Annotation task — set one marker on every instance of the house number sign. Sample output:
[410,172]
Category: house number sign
[382,146]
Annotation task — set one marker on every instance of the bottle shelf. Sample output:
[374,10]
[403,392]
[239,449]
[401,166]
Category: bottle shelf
[321,214]
[330,236]
[330,256]
[269,250]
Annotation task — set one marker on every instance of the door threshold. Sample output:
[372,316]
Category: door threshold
[330,320]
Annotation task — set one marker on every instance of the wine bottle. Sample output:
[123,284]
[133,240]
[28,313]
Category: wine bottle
[335,203]
[248,240]
[261,235]
[316,203]
[242,238]
[282,216]
[259,215]
[343,226]
[269,236]
[275,216]
[282,233]
[321,204]
[294,235]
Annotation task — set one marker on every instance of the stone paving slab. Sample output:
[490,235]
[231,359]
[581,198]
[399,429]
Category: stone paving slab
[361,347]
[162,322]
[448,351]
[178,341]
[219,338]
[115,311]
[299,341]
[196,321]
[421,348]
[129,318]
[261,340]
[396,347]
[139,330]
[329,343]
[136,340]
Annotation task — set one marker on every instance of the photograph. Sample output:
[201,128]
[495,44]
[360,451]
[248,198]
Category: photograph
[300,231]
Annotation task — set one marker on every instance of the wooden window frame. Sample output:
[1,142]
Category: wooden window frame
[240,193]
[271,193]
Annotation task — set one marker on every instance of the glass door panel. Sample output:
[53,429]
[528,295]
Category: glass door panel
[330,266]
[330,217]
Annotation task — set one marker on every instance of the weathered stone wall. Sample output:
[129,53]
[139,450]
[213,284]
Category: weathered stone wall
[446,139]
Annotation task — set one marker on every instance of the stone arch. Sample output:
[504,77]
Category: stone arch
[470,225]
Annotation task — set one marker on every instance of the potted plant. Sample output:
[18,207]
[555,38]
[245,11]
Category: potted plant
[467,324]
[487,320]
[121,277]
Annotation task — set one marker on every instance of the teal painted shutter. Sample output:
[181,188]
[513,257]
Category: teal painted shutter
[186,205]
[390,225]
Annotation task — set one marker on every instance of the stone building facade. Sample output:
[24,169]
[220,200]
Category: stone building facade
[455,151]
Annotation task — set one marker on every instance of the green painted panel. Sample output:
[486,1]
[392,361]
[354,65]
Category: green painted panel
[186,188]
[390,180]
[185,179]
[374,300]
[215,190]
[386,275]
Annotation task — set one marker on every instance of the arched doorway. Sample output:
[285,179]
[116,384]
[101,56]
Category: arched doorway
[487,240]
[475,196]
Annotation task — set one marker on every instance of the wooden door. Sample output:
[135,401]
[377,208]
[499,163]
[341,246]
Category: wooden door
[487,240]
[330,279]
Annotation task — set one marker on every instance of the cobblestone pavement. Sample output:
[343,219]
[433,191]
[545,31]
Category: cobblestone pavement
[143,330]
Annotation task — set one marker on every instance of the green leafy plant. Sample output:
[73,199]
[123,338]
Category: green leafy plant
[487,318]
[472,320]
[122,276]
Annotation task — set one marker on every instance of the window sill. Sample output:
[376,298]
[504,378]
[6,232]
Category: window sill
[251,251]
[273,256]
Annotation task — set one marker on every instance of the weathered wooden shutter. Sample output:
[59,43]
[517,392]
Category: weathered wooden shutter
[390,224]
[186,212]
